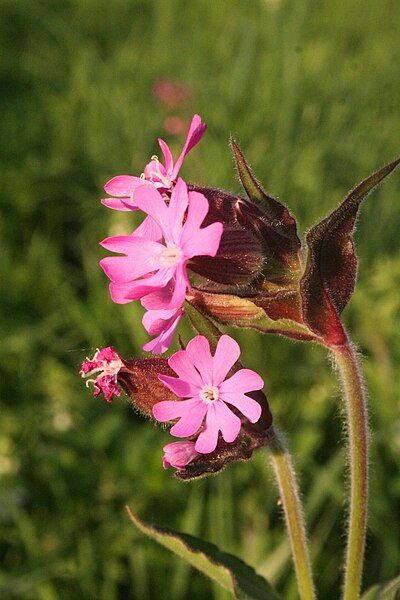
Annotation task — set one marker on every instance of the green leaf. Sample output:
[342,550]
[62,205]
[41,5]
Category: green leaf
[203,325]
[386,591]
[226,569]
[330,275]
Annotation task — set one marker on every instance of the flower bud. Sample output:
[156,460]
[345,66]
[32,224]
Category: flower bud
[139,379]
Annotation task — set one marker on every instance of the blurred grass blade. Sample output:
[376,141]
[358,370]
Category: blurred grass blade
[226,569]
[388,591]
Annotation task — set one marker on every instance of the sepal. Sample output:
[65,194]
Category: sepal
[139,379]
[331,269]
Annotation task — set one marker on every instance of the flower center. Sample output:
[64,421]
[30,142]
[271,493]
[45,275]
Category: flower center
[170,256]
[158,178]
[209,393]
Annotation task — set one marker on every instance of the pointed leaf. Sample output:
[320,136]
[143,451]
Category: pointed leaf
[277,214]
[386,591]
[226,569]
[331,270]
[203,325]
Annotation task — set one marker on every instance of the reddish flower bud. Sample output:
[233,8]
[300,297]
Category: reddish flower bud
[139,379]
[278,295]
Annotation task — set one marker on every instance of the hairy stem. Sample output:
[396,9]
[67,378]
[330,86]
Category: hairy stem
[357,431]
[294,516]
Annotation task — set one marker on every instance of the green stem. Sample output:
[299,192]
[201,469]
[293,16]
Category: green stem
[357,430]
[290,496]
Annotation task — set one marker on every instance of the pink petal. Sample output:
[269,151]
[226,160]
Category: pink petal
[149,230]
[122,185]
[205,242]
[152,203]
[198,352]
[161,343]
[180,388]
[181,364]
[242,381]
[196,131]
[169,163]
[181,284]
[135,245]
[159,299]
[169,410]
[226,354]
[117,204]
[176,210]
[156,173]
[247,406]
[228,422]
[154,321]
[208,437]
[190,422]
[141,258]
[119,293]
[197,211]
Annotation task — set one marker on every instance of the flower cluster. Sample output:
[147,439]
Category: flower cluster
[204,396]
[153,268]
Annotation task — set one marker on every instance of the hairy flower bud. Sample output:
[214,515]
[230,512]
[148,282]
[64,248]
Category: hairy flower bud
[281,295]
[139,379]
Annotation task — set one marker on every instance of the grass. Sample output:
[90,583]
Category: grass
[311,93]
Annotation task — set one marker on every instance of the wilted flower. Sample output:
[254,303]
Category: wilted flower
[107,364]
[202,379]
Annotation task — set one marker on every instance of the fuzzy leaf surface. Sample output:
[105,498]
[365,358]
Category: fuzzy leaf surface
[225,569]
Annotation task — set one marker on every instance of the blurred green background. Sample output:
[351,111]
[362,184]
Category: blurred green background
[311,92]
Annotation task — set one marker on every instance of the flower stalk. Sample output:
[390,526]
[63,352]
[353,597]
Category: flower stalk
[294,515]
[357,432]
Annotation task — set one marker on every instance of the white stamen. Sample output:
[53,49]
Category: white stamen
[209,393]
[170,256]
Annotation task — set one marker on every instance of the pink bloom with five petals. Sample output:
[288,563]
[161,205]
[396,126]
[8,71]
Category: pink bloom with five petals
[149,265]
[163,177]
[202,380]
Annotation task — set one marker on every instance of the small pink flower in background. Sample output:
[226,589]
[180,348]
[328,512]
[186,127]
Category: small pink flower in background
[171,95]
[148,265]
[107,364]
[201,379]
[175,125]
[179,454]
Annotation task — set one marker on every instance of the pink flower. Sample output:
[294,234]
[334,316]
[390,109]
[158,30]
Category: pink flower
[149,265]
[178,455]
[163,177]
[107,363]
[201,379]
